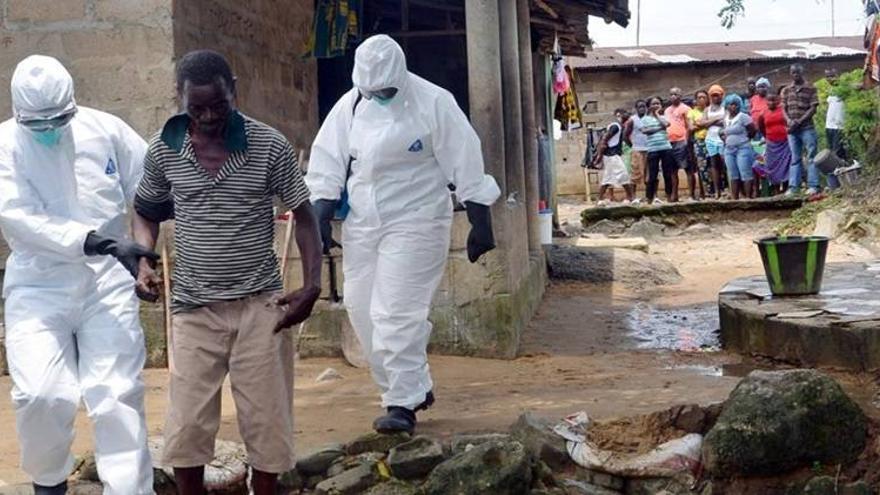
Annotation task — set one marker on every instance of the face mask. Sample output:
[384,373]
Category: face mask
[48,138]
[383,101]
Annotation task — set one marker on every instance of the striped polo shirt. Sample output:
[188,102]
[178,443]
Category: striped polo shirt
[658,141]
[224,225]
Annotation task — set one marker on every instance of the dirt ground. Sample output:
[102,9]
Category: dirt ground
[583,351]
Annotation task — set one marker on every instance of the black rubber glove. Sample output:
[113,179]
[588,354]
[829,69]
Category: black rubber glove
[128,253]
[324,210]
[481,240]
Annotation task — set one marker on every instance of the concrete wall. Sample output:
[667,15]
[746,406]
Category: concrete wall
[602,91]
[118,51]
[264,41]
[480,309]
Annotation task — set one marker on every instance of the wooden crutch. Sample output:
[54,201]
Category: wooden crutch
[166,288]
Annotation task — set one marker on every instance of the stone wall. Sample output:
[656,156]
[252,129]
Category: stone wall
[118,51]
[602,91]
[264,41]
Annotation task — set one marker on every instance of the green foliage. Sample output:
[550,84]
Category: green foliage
[861,106]
[803,220]
[731,12]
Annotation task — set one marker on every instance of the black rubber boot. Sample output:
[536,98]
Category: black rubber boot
[60,489]
[397,419]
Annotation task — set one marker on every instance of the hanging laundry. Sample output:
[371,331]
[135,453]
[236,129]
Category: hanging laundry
[561,81]
[568,111]
[335,28]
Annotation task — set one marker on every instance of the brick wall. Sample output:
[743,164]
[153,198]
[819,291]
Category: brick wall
[264,41]
[118,51]
[603,91]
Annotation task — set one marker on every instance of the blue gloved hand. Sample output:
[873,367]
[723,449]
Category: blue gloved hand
[324,210]
[481,240]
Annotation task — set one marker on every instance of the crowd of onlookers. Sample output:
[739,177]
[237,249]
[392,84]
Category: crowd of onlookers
[728,145]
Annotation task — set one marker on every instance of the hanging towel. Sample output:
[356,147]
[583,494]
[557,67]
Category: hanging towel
[568,111]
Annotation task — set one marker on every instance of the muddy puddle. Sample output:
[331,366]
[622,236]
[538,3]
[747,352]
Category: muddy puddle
[689,328]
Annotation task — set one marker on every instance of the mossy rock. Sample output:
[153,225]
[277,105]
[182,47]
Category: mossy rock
[497,467]
[777,421]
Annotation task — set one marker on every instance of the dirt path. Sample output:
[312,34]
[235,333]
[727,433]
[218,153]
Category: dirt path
[586,350]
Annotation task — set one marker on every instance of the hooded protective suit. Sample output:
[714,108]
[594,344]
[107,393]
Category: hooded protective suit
[72,324]
[396,236]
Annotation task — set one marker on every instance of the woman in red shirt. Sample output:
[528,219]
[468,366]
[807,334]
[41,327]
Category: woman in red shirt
[778,154]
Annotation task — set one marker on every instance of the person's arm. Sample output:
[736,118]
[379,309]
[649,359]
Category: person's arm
[789,122]
[762,125]
[652,129]
[627,132]
[458,151]
[286,182]
[328,165]
[130,152]
[25,223]
[152,206]
[814,105]
[328,158]
[609,133]
[751,130]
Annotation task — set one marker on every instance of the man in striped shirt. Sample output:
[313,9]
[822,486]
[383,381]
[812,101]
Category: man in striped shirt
[216,171]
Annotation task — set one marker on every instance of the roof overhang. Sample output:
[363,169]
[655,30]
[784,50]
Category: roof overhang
[568,21]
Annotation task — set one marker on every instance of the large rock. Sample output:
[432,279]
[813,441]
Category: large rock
[353,481]
[318,462]
[779,420]
[646,228]
[345,463]
[539,439]
[603,265]
[394,487]
[467,441]
[416,458]
[496,467]
[829,223]
[377,442]
[826,485]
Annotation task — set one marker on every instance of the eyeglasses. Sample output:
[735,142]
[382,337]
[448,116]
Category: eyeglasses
[42,125]
[382,94]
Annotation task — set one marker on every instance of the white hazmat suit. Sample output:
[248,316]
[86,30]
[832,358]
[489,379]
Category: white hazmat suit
[72,325]
[396,237]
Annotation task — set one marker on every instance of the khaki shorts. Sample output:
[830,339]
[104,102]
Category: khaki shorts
[638,163]
[234,337]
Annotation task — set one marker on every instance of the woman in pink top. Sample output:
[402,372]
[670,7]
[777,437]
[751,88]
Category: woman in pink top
[758,101]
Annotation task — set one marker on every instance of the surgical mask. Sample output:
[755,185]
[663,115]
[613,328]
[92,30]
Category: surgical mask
[383,101]
[49,138]
[382,96]
[47,132]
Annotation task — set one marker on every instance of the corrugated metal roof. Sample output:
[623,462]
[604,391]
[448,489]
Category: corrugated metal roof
[601,58]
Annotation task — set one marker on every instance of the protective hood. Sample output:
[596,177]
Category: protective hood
[379,63]
[41,89]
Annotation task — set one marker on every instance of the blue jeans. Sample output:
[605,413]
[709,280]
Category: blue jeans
[739,160]
[797,141]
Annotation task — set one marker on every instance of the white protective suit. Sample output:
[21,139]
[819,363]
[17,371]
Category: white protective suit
[396,236]
[72,324]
